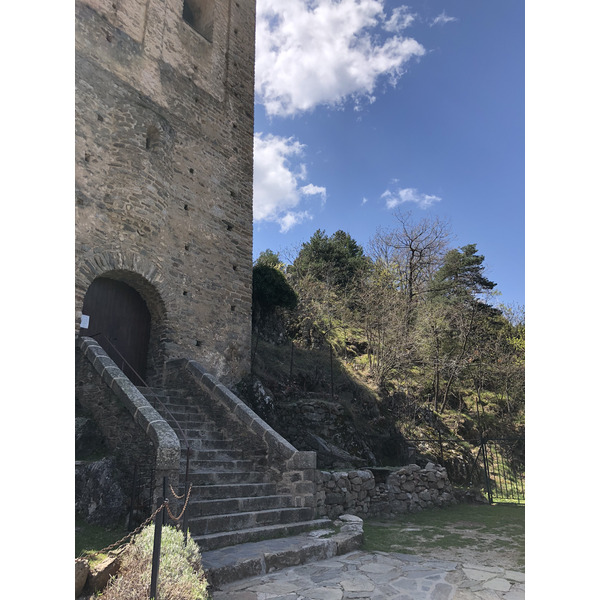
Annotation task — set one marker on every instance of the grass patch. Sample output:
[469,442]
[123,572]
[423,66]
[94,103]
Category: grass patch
[91,539]
[477,529]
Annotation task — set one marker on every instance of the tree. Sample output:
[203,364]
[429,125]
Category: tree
[454,316]
[269,258]
[326,274]
[270,290]
[460,278]
[336,260]
[413,251]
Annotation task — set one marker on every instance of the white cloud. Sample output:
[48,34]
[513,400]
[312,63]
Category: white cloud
[404,195]
[313,52]
[290,219]
[442,19]
[278,177]
[401,19]
[314,190]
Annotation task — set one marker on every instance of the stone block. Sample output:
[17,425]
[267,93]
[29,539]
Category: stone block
[82,569]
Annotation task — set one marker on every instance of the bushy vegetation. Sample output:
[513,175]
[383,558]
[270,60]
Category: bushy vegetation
[181,576]
[413,321]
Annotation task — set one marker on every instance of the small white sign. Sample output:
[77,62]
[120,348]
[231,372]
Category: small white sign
[85,321]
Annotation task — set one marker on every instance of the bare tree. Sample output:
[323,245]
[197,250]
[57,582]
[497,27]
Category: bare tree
[412,251]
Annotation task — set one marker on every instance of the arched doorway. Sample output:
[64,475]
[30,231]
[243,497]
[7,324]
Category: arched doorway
[118,318]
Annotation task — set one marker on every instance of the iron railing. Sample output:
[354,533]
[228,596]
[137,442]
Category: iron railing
[496,466]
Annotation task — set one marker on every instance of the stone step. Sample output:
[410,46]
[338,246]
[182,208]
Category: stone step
[220,506]
[199,438]
[192,422]
[198,443]
[170,395]
[233,490]
[252,559]
[247,520]
[224,464]
[202,478]
[211,453]
[255,534]
[183,410]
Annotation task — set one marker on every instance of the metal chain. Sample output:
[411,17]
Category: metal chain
[174,494]
[184,506]
[135,531]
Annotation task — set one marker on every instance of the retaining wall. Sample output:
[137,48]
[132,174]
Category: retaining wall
[364,494]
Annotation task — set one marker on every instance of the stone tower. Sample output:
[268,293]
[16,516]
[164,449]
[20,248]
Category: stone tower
[164,139]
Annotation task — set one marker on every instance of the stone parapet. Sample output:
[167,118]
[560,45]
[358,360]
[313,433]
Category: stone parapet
[132,427]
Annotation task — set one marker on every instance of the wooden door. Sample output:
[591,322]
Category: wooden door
[117,313]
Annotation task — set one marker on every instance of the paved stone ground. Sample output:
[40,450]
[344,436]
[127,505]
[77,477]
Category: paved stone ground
[380,576]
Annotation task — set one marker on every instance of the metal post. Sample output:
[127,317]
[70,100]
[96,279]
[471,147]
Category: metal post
[331,367]
[164,512]
[133,490]
[158,523]
[486,470]
[185,517]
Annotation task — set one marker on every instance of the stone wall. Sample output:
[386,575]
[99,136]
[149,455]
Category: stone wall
[134,433]
[359,492]
[164,146]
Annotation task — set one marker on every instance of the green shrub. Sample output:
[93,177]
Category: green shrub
[180,575]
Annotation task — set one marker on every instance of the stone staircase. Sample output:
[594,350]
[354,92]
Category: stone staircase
[235,497]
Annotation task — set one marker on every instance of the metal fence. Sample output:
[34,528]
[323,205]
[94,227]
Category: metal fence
[495,466]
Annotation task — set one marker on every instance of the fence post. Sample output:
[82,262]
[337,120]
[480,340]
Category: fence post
[185,517]
[158,523]
[132,502]
[331,367]
[486,470]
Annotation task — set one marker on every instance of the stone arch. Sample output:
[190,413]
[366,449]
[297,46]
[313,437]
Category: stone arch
[145,278]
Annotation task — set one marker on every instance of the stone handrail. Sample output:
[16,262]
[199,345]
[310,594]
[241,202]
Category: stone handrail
[166,442]
[279,447]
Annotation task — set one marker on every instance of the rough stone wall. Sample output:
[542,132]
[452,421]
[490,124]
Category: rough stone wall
[164,143]
[408,489]
[123,437]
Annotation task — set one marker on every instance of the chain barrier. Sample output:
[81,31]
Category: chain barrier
[184,506]
[174,494]
[134,532]
[151,518]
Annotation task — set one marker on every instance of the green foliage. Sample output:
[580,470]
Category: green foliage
[336,260]
[414,320]
[181,576]
[461,277]
[269,258]
[270,288]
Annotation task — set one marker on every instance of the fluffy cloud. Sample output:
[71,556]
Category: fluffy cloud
[442,19]
[313,52]
[402,196]
[278,178]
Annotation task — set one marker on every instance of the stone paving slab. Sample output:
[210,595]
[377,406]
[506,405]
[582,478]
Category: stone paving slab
[379,576]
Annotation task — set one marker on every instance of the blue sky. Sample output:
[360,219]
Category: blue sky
[364,108]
